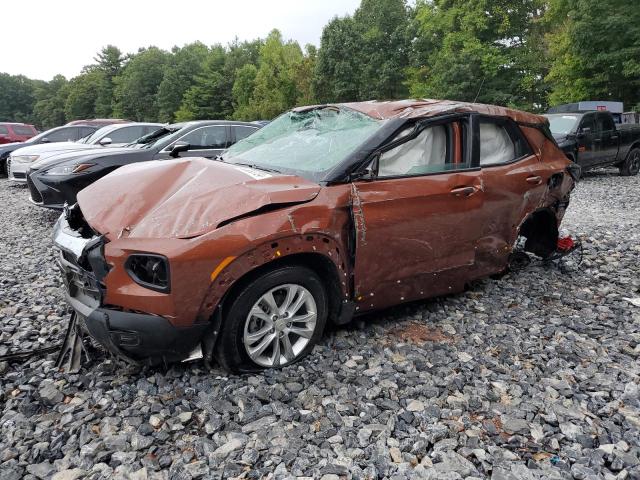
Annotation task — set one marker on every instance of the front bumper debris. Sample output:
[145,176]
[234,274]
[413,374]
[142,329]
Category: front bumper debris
[136,337]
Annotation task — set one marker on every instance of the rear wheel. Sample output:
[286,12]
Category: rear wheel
[631,165]
[273,321]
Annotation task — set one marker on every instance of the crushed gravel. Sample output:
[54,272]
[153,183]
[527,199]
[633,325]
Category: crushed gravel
[535,375]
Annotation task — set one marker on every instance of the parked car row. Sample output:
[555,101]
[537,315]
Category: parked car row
[326,212]
[23,160]
[70,132]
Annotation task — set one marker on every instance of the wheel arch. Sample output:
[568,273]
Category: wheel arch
[540,228]
[320,253]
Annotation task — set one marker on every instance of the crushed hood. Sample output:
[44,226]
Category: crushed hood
[184,198]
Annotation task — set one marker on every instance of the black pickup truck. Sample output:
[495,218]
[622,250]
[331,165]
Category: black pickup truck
[592,139]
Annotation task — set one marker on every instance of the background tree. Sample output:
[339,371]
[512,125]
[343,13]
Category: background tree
[16,98]
[275,84]
[136,89]
[242,92]
[109,62]
[82,94]
[595,51]
[180,74]
[337,71]
[465,49]
[49,109]
[382,51]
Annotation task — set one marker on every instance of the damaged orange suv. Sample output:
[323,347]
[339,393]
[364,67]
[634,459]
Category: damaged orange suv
[327,212]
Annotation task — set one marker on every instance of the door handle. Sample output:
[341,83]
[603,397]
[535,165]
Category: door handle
[535,180]
[614,137]
[464,191]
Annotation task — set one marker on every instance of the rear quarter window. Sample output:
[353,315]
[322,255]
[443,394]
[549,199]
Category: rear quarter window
[4,130]
[501,142]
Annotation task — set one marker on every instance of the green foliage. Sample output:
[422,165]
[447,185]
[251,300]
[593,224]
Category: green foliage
[83,92]
[16,98]
[276,89]
[109,62]
[136,88]
[51,100]
[595,51]
[180,74]
[468,49]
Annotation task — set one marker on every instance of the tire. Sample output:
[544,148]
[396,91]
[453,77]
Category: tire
[251,322]
[631,165]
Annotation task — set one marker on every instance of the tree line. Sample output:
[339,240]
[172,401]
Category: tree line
[526,54]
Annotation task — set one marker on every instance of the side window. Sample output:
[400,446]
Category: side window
[588,122]
[23,130]
[205,138]
[4,130]
[243,132]
[431,151]
[84,131]
[63,135]
[605,123]
[126,134]
[501,142]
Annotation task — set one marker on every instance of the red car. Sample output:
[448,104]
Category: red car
[16,132]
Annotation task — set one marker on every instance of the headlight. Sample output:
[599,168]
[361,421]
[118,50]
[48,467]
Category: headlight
[149,270]
[68,169]
[25,158]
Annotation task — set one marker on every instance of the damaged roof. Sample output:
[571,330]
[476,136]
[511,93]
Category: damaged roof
[417,108]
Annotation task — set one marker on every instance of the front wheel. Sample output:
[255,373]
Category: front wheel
[273,321]
[631,165]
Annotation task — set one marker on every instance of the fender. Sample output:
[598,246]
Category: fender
[232,269]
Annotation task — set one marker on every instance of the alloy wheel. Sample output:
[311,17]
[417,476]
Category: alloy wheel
[280,325]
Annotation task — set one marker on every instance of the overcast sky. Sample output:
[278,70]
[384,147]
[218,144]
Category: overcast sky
[43,38]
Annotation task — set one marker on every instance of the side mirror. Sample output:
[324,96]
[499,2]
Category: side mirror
[178,148]
[45,140]
[105,141]
[583,132]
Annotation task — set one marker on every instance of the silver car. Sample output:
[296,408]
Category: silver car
[115,135]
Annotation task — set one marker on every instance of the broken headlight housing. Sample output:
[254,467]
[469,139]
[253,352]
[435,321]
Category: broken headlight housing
[149,270]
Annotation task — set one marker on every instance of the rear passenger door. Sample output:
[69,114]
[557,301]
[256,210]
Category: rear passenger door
[514,181]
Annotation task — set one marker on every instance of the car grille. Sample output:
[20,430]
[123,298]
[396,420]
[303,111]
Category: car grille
[35,193]
[80,283]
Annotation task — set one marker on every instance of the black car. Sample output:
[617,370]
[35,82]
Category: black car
[59,182]
[592,139]
[66,133]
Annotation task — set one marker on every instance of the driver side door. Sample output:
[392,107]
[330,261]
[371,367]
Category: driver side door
[417,220]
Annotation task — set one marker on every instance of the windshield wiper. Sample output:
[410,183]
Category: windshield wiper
[257,167]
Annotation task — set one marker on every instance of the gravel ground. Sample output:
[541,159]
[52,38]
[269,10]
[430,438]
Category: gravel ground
[535,375]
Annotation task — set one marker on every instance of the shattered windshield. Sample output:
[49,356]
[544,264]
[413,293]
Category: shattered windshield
[562,124]
[306,143]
